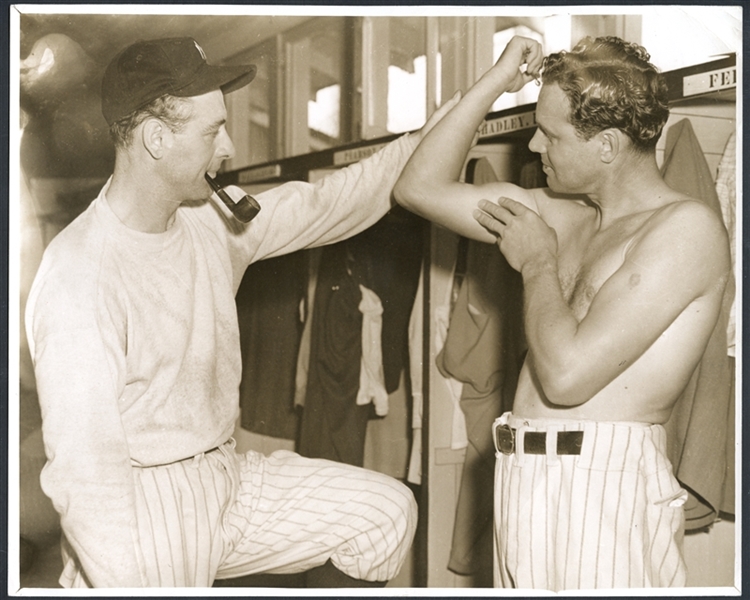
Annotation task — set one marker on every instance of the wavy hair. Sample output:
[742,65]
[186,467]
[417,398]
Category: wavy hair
[173,111]
[610,83]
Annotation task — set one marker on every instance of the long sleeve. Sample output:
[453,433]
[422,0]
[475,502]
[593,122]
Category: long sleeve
[136,345]
[299,215]
[79,364]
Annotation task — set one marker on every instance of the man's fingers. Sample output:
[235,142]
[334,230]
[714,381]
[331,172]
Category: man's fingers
[503,207]
[492,209]
[534,60]
[490,224]
[531,52]
[516,208]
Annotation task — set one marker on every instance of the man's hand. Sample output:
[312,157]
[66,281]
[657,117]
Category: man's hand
[523,238]
[519,51]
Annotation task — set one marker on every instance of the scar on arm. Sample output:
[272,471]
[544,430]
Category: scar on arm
[634,280]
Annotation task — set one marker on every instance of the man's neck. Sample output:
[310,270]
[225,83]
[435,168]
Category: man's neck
[635,186]
[138,202]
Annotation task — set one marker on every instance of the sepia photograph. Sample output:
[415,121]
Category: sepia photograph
[428,300]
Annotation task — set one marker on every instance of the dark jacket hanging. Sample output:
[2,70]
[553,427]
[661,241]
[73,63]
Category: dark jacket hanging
[268,302]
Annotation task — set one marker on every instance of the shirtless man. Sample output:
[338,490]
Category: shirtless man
[623,279]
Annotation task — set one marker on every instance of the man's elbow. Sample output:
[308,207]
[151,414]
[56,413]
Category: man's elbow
[562,388]
[408,193]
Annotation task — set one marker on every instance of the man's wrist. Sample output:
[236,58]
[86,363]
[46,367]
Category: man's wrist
[539,267]
[502,81]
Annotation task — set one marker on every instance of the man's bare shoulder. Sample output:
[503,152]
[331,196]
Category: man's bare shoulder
[560,210]
[685,236]
[688,220]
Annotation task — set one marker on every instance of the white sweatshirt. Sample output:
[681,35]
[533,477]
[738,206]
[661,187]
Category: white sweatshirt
[136,347]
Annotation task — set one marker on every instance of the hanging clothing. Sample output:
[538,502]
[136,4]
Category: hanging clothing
[440,324]
[416,353]
[726,190]
[702,419]
[371,378]
[385,259]
[389,259]
[333,426]
[268,302]
[484,350]
[306,311]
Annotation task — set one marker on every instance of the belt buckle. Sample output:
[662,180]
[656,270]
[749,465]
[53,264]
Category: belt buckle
[504,439]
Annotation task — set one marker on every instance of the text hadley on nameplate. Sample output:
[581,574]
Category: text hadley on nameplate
[345,157]
[259,174]
[710,81]
[507,124]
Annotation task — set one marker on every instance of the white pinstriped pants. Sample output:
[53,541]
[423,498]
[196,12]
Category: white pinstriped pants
[609,518]
[222,514]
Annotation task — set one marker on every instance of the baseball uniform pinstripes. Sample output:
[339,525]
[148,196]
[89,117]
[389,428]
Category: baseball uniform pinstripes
[302,511]
[224,514]
[609,518]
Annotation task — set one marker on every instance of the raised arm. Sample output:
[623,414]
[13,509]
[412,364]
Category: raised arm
[429,183]
[300,214]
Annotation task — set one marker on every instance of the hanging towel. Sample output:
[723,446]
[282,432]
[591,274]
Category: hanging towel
[371,378]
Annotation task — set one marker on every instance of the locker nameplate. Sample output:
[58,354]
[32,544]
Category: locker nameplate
[259,174]
[344,157]
[710,81]
[508,124]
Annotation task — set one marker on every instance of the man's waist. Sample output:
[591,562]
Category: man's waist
[536,442]
[513,434]
[188,455]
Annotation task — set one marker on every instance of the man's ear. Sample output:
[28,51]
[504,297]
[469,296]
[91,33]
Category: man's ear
[610,144]
[155,136]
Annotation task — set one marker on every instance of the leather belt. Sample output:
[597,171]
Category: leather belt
[535,442]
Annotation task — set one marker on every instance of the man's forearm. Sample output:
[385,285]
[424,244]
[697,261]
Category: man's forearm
[550,331]
[439,158]
[441,154]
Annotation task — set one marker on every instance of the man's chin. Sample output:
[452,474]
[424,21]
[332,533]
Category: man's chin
[554,185]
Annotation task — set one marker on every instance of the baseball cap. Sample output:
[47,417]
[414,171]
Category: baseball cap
[150,69]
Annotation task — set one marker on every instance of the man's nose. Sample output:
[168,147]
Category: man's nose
[226,146]
[536,143]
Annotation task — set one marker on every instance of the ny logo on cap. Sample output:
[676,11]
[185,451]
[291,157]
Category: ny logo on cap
[203,54]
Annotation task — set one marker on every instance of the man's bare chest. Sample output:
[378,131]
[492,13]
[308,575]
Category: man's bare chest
[586,262]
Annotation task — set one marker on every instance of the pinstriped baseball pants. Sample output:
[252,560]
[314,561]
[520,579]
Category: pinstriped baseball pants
[609,518]
[222,514]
